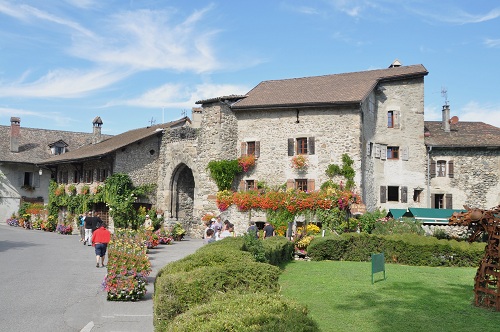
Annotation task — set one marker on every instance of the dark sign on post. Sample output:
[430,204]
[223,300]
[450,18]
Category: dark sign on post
[378,264]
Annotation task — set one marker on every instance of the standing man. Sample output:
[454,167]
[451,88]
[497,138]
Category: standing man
[252,229]
[100,240]
[81,226]
[268,230]
[89,222]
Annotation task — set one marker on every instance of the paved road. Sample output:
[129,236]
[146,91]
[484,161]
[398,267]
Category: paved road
[49,282]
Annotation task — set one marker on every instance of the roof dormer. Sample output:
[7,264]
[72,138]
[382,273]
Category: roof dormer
[58,147]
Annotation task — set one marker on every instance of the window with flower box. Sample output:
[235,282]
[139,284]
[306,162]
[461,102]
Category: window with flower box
[246,185]
[301,184]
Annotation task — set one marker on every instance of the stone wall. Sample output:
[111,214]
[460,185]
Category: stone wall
[476,178]
[406,100]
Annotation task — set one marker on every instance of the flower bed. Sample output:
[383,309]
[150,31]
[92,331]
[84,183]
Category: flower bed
[13,222]
[128,266]
[64,229]
[163,236]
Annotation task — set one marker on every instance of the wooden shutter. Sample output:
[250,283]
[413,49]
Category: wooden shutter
[310,146]
[404,194]
[36,180]
[368,149]
[433,201]
[310,185]
[291,145]
[255,184]
[449,201]
[243,148]
[377,150]
[396,119]
[383,152]
[383,194]
[290,184]
[241,187]
[405,154]
[257,149]
[433,169]
[450,168]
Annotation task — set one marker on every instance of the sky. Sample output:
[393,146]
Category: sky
[137,63]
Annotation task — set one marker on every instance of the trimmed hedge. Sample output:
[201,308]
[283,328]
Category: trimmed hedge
[406,249]
[278,250]
[246,313]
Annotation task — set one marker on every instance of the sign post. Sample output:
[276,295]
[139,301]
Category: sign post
[378,264]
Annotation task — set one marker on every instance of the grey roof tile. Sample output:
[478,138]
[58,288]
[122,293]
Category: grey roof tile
[462,134]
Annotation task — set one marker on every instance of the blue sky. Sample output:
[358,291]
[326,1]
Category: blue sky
[63,62]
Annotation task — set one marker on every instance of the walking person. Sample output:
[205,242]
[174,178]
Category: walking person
[269,230]
[100,240]
[81,226]
[252,229]
[89,221]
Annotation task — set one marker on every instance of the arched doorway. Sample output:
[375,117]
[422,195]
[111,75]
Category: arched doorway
[182,195]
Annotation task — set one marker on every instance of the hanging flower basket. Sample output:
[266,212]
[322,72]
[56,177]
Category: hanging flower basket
[299,162]
[246,162]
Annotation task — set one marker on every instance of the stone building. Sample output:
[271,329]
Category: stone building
[463,163]
[22,151]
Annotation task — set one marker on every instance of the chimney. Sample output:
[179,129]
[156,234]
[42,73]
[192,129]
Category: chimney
[15,133]
[446,118]
[196,115]
[96,133]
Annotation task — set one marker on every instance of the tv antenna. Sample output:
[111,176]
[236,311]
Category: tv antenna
[152,121]
[444,94]
[183,113]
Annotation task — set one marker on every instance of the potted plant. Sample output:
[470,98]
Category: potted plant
[246,161]
[178,232]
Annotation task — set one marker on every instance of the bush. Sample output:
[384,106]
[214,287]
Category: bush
[245,312]
[177,292]
[391,226]
[278,250]
[407,249]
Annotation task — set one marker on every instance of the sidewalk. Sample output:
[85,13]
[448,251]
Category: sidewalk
[134,316]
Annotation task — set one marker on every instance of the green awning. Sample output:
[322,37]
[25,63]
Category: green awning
[397,213]
[432,215]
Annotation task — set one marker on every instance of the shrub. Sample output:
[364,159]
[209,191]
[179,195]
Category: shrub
[278,250]
[391,226]
[255,247]
[177,292]
[245,312]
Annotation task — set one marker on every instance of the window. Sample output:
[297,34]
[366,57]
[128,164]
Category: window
[393,152]
[252,147]
[416,195]
[390,119]
[87,176]
[301,145]
[393,194]
[441,168]
[249,185]
[59,149]
[439,201]
[301,184]
[28,179]
[102,174]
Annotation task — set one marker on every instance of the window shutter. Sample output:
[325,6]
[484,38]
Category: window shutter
[36,180]
[310,185]
[449,201]
[405,155]
[291,144]
[383,152]
[255,184]
[404,194]
[257,149]
[20,179]
[290,184]
[433,201]
[383,194]
[450,169]
[433,169]
[377,150]
[396,119]
[243,148]
[241,187]
[310,146]
[368,149]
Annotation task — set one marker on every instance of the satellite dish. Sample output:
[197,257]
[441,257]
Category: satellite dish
[454,120]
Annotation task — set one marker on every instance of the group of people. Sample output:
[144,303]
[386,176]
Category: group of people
[215,230]
[93,232]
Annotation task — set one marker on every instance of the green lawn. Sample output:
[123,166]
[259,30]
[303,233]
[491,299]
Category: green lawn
[341,297]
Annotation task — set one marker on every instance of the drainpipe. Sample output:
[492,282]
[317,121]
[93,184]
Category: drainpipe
[429,177]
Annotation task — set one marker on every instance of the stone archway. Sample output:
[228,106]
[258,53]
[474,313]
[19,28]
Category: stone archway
[182,195]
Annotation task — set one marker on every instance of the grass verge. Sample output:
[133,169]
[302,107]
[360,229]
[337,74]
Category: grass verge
[340,297]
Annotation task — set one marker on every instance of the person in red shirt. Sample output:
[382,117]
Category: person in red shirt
[100,240]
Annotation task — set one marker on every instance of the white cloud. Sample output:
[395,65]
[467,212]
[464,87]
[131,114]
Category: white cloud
[180,95]
[147,39]
[54,117]
[83,3]
[492,42]
[449,13]
[470,112]
[63,83]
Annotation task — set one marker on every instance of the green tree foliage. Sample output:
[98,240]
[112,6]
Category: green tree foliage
[346,170]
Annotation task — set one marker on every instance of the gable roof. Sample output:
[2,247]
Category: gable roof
[109,145]
[34,143]
[462,134]
[337,89]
